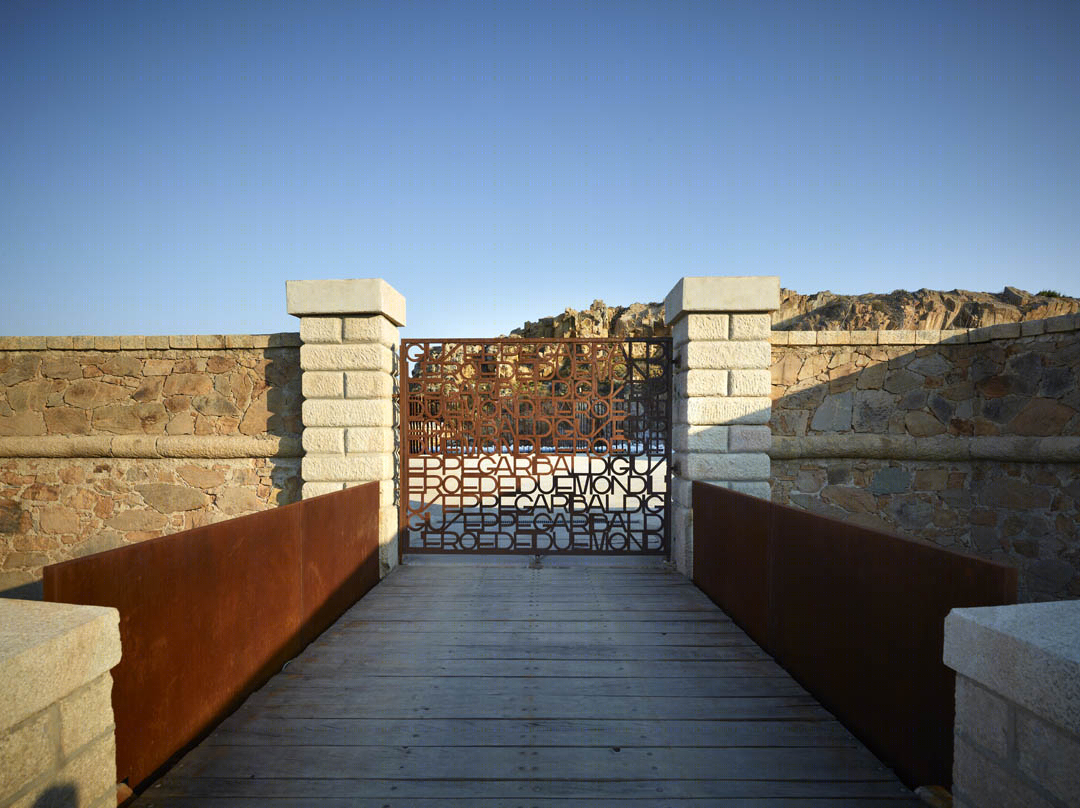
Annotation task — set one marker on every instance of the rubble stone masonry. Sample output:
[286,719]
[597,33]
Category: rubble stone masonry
[966,438]
[109,440]
[969,439]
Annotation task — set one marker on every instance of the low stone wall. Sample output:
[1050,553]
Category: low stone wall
[109,440]
[57,744]
[969,439]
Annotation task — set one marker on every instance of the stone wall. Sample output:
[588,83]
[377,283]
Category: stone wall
[108,440]
[969,439]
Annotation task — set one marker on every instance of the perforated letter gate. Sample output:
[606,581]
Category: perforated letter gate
[535,446]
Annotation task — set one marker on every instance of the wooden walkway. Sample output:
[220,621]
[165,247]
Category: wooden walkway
[485,686]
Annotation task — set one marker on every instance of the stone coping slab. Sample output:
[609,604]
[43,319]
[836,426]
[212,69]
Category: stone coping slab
[955,336]
[47,650]
[140,342]
[1029,653]
[342,297]
[714,294]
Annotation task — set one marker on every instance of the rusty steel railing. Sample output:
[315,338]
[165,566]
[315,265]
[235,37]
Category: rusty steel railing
[856,615]
[208,615]
[535,445]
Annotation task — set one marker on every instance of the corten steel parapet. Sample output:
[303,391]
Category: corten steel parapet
[207,615]
[856,615]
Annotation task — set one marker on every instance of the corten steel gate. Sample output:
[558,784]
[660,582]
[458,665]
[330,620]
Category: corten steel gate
[535,446]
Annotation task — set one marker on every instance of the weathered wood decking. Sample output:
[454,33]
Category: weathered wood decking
[486,686]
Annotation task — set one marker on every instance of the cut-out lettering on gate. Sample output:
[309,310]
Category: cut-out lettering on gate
[535,446]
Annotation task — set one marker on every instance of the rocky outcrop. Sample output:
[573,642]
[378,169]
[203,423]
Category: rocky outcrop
[599,320]
[925,309]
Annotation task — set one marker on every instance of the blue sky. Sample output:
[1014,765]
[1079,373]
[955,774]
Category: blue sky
[166,166]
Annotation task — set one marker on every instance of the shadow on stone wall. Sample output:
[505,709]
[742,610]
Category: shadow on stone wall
[284,405]
[58,797]
[969,446]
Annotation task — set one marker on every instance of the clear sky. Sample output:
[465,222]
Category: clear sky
[166,166]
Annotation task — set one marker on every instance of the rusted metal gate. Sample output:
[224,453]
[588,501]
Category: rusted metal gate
[535,446]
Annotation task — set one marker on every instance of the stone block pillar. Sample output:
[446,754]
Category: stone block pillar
[57,736]
[349,376]
[1017,730]
[720,425]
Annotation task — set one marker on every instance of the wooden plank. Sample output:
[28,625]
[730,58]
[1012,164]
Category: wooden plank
[432,594]
[466,636]
[635,606]
[677,669]
[435,596]
[554,593]
[437,587]
[524,762]
[541,603]
[589,791]
[501,802]
[493,686]
[528,687]
[550,579]
[649,596]
[382,704]
[497,610]
[512,589]
[450,609]
[558,626]
[406,575]
[266,730]
[535,642]
[423,653]
[547,581]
